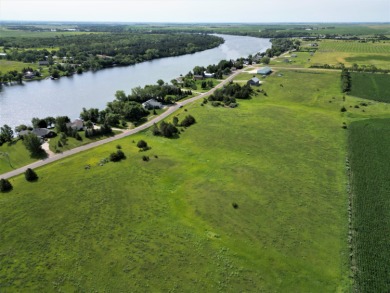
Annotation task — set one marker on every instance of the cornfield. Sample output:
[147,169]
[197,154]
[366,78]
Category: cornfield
[369,155]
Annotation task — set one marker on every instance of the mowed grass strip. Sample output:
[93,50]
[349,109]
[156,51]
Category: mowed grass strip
[369,155]
[371,86]
[169,224]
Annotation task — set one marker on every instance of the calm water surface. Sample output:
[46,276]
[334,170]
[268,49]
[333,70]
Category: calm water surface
[68,95]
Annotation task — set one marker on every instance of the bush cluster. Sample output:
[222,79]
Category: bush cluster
[117,156]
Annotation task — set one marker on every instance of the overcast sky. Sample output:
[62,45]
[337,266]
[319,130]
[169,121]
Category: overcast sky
[197,10]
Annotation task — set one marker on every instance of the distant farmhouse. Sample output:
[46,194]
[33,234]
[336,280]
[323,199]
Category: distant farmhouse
[41,63]
[152,104]
[77,124]
[198,77]
[208,75]
[264,71]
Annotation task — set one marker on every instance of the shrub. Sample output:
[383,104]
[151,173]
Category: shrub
[145,158]
[188,121]
[30,175]
[5,185]
[235,205]
[116,157]
[343,109]
[142,144]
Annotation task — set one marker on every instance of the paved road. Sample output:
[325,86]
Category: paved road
[157,119]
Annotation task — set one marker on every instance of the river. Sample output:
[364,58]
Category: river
[68,95]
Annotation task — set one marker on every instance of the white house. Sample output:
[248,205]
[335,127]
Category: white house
[152,104]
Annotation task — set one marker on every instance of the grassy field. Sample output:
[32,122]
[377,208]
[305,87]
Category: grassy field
[4,32]
[371,86]
[17,156]
[6,65]
[369,153]
[349,52]
[72,143]
[169,224]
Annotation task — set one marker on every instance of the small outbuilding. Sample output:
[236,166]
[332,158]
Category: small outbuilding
[152,104]
[264,70]
[41,63]
[254,81]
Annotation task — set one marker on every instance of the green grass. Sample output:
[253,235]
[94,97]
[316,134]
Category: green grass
[72,143]
[349,52]
[371,86]
[369,154]
[6,33]
[6,65]
[17,156]
[169,224]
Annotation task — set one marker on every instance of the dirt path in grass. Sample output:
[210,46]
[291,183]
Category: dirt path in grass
[172,109]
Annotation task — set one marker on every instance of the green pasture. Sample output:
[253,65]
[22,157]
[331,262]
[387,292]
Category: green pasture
[169,224]
[371,86]
[369,155]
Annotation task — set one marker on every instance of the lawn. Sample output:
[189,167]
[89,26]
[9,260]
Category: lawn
[371,86]
[169,225]
[369,155]
[13,156]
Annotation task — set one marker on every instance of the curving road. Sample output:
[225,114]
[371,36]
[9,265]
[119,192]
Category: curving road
[157,119]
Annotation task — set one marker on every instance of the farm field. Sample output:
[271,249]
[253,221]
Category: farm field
[349,52]
[369,155]
[169,224]
[371,86]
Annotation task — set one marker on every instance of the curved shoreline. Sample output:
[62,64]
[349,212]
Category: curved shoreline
[126,133]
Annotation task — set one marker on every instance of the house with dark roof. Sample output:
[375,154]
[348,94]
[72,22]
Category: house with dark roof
[254,81]
[42,133]
[264,70]
[40,63]
[152,104]
[198,77]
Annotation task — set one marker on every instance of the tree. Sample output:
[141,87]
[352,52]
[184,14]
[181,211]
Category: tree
[142,144]
[188,121]
[20,128]
[265,60]
[6,134]
[61,123]
[30,175]
[160,82]
[33,144]
[5,185]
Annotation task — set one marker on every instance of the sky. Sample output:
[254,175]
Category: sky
[254,11]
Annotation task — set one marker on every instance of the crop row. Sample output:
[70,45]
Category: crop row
[369,154]
[354,47]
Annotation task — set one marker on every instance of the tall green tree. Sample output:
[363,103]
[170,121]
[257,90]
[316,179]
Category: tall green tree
[6,134]
[33,144]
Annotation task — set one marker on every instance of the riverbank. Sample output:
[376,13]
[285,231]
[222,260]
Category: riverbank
[67,96]
[125,133]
